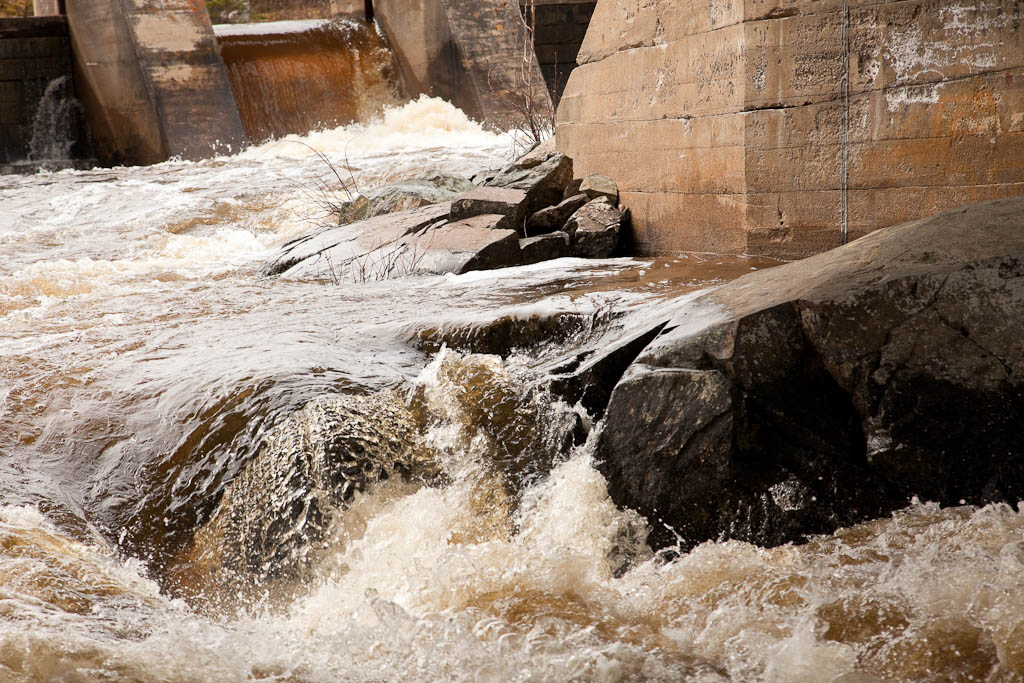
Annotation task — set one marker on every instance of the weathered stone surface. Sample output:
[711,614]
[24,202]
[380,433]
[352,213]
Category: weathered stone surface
[554,217]
[502,336]
[595,229]
[409,242]
[403,195]
[469,52]
[272,519]
[596,185]
[313,255]
[475,243]
[544,247]
[543,184]
[506,202]
[151,80]
[573,188]
[538,155]
[727,128]
[823,392]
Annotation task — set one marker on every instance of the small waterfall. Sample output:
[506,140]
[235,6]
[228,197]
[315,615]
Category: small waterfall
[297,76]
[59,133]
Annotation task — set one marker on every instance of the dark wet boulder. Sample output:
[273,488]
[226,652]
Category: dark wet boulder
[544,247]
[273,519]
[503,335]
[595,229]
[503,201]
[820,393]
[554,217]
[402,195]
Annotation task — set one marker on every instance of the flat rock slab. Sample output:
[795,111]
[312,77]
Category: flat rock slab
[827,391]
[544,247]
[510,204]
[405,243]
[472,244]
[313,255]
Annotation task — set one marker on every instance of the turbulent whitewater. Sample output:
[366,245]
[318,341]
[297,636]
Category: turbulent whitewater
[144,363]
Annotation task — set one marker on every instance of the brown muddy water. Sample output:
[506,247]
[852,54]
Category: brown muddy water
[142,360]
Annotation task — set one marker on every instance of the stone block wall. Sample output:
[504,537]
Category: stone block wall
[33,52]
[785,127]
[559,29]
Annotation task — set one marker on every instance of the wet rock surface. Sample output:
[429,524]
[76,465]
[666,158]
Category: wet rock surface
[451,236]
[273,516]
[403,195]
[544,183]
[544,247]
[823,392]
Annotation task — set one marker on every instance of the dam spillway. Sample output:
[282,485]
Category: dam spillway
[296,76]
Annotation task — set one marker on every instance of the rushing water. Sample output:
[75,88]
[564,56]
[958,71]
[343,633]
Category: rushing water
[142,360]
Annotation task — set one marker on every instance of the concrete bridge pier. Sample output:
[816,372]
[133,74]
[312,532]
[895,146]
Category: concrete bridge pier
[151,80]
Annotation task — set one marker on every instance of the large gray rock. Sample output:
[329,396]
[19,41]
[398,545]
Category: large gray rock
[595,229]
[402,195]
[411,242]
[319,253]
[543,183]
[819,393]
[475,243]
[506,202]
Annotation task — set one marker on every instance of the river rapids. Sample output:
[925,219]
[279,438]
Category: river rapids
[143,361]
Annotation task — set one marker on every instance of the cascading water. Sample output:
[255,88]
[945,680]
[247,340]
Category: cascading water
[295,76]
[144,364]
[59,132]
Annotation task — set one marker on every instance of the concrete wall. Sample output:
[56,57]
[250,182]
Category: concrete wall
[151,80]
[33,52]
[469,52]
[783,127]
[559,29]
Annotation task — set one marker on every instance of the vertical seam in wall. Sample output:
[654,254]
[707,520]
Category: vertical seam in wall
[844,133]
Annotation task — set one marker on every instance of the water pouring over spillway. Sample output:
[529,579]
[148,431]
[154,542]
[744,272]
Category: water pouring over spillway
[296,76]
[145,364]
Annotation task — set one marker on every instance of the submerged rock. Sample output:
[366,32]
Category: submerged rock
[273,518]
[834,389]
